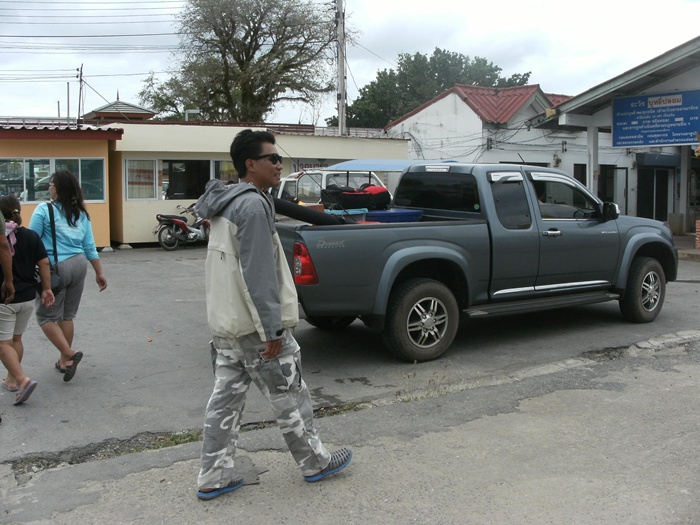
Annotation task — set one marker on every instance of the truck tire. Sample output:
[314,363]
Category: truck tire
[645,292]
[330,323]
[422,320]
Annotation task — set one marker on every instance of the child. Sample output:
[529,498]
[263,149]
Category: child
[28,253]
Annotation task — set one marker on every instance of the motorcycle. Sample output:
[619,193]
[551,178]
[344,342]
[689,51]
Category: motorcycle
[173,230]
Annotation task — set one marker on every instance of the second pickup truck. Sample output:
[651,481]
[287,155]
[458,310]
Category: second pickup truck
[491,240]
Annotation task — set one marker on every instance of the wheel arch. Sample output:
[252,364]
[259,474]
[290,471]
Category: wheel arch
[648,245]
[440,264]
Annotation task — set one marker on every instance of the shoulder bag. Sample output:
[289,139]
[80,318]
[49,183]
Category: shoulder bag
[56,281]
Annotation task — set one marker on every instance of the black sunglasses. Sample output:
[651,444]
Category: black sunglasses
[274,157]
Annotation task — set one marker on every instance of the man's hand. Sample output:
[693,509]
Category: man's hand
[272,349]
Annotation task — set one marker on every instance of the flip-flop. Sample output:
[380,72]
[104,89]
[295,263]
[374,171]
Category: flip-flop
[58,367]
[72,369]
[23,395]
[8,387]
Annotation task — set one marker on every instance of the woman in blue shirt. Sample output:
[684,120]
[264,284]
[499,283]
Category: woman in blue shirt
[75,245]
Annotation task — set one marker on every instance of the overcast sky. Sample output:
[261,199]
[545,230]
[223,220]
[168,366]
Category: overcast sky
[568,47]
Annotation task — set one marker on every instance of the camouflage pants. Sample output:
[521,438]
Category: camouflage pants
[237,363]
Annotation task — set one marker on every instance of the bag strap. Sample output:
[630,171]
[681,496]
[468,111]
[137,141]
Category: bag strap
[53,236]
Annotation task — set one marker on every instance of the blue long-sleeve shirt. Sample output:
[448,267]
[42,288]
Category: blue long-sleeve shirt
[70,240]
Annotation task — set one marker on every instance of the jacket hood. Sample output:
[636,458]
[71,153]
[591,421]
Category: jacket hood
[217,196]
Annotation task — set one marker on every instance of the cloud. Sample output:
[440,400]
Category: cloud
[567,51]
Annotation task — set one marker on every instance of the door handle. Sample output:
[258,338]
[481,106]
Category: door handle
[551,233]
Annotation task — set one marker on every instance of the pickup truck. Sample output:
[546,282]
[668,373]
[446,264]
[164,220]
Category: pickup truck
[492,240]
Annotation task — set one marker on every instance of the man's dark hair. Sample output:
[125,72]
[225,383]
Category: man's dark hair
[248,145]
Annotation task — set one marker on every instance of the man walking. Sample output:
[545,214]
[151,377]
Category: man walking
[251,307]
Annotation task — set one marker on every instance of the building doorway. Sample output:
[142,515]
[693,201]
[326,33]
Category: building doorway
[652,193]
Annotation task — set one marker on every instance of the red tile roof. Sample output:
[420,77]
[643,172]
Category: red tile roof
[557,99]
[492,105]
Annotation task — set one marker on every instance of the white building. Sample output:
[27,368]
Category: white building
[525,125]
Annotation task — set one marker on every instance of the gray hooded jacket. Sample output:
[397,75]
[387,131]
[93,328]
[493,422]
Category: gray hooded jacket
[248,283]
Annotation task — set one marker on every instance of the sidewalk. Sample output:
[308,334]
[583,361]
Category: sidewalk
[686,247]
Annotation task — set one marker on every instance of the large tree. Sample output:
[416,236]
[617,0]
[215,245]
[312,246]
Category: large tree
[240,57]
[417,79]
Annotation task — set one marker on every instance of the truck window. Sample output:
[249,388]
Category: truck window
[511,204]
[309,188]
[560,200]
[440,191]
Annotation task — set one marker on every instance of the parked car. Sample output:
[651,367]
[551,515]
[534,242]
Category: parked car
[305,186]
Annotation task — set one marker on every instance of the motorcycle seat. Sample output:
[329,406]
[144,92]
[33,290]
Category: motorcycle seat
[179,217]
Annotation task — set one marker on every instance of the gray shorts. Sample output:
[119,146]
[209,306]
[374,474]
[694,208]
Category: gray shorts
[73,272]
[14,318]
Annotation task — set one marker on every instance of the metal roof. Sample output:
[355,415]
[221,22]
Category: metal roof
[671,64]
[121,107]
[377,164]
[36,130]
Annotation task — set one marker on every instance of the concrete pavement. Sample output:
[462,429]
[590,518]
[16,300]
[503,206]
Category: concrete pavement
[687,247]
[587,441]
[584,440]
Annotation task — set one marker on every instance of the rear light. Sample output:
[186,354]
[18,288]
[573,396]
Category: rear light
[304,271]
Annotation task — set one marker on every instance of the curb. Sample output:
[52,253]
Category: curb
[689,255]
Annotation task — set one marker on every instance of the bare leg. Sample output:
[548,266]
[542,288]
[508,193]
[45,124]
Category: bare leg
[9,358]
[67,329]
[55,334]
[19,348]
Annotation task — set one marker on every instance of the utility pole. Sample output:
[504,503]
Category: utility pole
[342,90]
[80,95]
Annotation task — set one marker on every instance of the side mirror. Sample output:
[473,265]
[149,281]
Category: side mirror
[611,211]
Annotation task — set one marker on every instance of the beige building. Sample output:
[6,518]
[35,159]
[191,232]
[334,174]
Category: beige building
[158,165]
[130,171]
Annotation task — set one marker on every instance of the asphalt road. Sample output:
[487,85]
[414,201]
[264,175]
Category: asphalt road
[497,427]
[147,364]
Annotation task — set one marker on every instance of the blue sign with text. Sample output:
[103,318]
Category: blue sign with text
[669,119]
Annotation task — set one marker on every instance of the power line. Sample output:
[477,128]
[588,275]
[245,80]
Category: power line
[44,9]
[89,3]
[112,22]
[110,17]
[89,36]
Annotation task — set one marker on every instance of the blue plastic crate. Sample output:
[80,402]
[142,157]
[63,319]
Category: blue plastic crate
[357,214]
[395,215]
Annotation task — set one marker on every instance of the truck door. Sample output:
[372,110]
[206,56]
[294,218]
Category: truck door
[514,238]
[578,250]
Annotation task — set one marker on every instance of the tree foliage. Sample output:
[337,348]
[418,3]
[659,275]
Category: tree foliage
[417,79]
[239,58]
